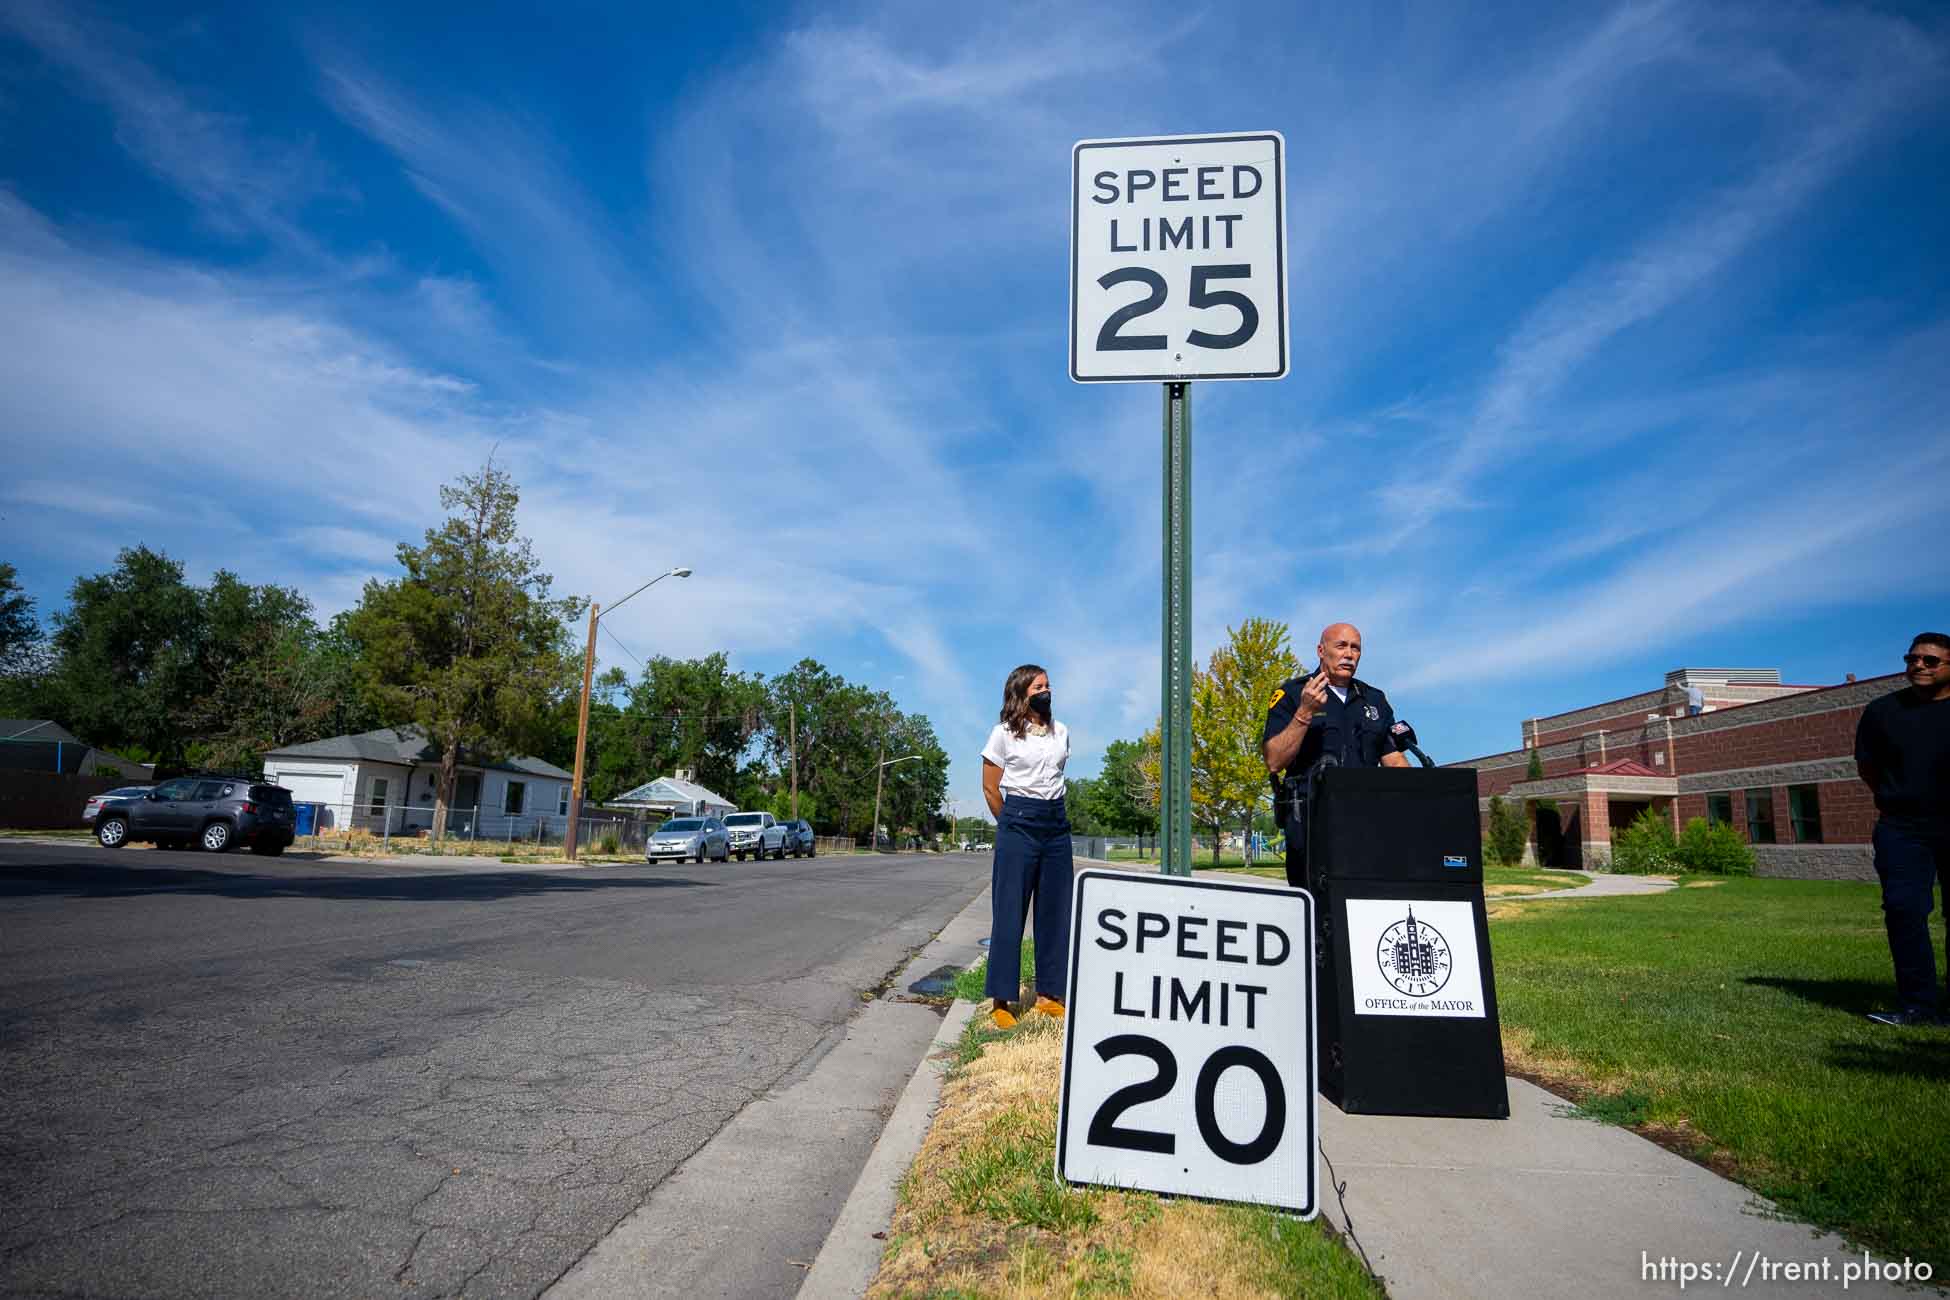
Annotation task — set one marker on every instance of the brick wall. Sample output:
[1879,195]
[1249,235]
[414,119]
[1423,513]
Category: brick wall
[1800,736]
[1629,713]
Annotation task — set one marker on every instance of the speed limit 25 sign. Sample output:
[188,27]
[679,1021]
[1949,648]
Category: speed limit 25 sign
[1178,258]
[1188,1050]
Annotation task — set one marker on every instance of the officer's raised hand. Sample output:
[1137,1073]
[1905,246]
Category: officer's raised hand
[1313,696]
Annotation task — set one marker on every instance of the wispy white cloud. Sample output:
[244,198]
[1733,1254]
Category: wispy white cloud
[499,178]
[239,183]
[1574,324]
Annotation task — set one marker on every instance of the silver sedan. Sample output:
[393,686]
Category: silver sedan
[694,838]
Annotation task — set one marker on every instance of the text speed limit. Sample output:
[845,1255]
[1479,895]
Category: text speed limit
[1188,1053]
[1178,258]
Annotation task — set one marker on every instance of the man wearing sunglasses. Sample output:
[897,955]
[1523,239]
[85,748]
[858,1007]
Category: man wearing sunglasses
[1902,749]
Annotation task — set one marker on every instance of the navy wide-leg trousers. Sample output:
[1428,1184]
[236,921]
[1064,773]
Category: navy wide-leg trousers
[1032,861]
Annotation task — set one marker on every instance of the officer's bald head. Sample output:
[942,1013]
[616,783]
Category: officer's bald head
[1340,652]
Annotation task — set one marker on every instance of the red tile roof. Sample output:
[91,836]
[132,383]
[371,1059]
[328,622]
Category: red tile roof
[1625,767]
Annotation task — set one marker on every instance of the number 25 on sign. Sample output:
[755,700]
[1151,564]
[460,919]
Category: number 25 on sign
[1178,258]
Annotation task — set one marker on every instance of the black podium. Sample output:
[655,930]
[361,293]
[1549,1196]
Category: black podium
[1406,995]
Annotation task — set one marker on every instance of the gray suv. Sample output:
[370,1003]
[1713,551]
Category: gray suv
[799,839]
[215,813]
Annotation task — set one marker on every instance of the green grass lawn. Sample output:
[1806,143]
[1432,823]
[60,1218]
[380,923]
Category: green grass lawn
[1730,1017]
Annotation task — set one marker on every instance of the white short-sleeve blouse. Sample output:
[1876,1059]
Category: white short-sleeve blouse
[1031,765]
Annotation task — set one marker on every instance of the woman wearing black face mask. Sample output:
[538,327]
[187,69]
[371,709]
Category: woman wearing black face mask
[1022,779]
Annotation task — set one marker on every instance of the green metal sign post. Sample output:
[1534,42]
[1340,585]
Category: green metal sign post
[1175,713]
[1178,273]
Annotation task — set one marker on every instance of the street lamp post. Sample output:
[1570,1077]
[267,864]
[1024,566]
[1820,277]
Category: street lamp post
[873,832]
[582,722]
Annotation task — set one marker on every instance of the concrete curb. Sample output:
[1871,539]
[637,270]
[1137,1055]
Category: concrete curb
[847,1262]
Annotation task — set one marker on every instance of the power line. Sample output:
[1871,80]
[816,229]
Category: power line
[619,645]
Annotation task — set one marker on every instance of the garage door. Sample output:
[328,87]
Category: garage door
[327,788]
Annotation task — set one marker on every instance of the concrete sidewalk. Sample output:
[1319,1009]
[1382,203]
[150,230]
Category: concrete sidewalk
[1602,886]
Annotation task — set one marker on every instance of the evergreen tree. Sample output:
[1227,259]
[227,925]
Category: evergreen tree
[468,645]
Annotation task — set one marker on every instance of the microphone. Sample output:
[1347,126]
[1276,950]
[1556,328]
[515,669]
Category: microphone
[1405,739]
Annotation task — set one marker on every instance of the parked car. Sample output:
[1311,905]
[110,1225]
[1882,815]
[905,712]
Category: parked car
[756,833]
[95,801]
[799,839]
[689,837]
[215,813]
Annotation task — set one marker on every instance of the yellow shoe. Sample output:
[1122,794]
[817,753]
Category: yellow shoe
[1049,1006]
[1001,1018]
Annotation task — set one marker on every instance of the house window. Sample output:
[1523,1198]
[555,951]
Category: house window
[1804,810]
[376,801]
[1719,809]
[517,798]
[1760,816]
[562,801]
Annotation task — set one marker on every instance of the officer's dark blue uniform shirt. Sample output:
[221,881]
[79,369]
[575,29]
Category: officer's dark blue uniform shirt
[1357,732]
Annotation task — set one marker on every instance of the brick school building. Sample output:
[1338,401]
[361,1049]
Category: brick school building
[1773,760]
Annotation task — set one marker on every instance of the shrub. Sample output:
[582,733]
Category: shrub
[1644,848]
[611,845]
[1507,834]
[1714,847]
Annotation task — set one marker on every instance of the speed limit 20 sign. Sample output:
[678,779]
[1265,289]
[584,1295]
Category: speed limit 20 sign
[1188,1050]
[1178,258]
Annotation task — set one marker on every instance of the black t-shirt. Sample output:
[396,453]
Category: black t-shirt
[1904,739]
[1355,732]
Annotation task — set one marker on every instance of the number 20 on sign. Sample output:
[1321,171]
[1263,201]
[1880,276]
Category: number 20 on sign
[1178,258]
[1188,1050]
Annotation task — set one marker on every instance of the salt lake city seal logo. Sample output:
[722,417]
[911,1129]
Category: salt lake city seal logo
[1414,957]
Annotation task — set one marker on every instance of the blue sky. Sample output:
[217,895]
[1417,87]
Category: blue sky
[1620,337]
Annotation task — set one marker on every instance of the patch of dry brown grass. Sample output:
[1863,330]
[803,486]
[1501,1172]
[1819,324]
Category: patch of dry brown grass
[1562,1075]
[981,1212]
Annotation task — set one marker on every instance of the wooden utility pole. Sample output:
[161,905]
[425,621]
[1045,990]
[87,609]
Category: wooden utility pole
[792,751]
[873,832]
[582,738]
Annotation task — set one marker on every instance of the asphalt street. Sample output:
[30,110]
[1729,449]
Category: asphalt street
[236,1076]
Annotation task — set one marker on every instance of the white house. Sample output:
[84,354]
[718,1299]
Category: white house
[385,779]
[676,795]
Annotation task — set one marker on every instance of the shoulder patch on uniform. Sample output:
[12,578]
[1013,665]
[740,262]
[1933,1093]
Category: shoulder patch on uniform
[1277,697]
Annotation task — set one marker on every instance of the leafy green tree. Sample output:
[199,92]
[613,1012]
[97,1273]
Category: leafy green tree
[285,682]
[19,629]
[1126,802]
[914,791]
[1535,771]
[468,645]
[680,714]
[1229,702]
[1083,799]
[25,661]
[842,731]
[1503,841]
[129,657]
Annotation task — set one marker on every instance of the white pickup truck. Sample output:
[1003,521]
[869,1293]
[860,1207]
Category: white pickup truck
[757,833]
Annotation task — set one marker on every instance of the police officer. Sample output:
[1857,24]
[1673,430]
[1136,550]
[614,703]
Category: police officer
[1328,713]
